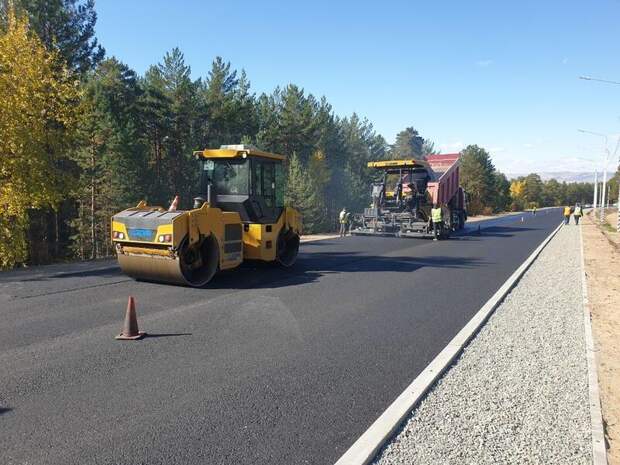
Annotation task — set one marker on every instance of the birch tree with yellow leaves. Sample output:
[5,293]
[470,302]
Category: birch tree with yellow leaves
[38,116]
[517,189]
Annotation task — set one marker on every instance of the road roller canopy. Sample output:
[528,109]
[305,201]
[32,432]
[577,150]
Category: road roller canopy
[244,179]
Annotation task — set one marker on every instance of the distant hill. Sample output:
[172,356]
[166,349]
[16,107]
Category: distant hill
[564,176]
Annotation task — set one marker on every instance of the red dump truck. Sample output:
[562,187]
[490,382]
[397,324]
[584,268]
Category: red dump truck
[404,194]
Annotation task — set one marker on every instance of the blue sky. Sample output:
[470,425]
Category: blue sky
[503,75]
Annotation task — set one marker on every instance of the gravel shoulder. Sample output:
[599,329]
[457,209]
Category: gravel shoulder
[519,392]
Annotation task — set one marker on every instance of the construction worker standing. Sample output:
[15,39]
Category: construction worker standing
[437,219]
[344,219]
[577,213]
[566,214]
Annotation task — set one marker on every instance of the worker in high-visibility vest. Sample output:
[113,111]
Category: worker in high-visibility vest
[437,220]
[566,214]
[343,218]
[577,212]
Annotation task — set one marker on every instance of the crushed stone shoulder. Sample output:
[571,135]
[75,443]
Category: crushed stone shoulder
[519,392]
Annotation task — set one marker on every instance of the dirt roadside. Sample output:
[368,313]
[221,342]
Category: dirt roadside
[602,261]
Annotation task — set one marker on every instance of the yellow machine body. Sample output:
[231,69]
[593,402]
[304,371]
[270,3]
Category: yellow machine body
[189,246]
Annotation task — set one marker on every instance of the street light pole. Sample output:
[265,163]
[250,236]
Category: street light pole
[589,78]
[603,196]
[606,151]
[595,203]
[606,162]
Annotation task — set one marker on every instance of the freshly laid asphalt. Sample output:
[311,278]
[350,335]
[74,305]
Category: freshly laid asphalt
[265,366]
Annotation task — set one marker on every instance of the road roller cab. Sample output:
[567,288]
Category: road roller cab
[238,214]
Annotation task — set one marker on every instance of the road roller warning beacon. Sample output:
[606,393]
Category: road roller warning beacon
[238,215]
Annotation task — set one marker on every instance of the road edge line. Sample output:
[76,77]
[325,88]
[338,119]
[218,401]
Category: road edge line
[364,450]
[599,450]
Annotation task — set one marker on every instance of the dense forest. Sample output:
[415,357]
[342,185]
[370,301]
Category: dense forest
[83,136]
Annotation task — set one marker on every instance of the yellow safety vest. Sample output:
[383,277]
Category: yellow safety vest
[566,211]
[577,211]
[436,215]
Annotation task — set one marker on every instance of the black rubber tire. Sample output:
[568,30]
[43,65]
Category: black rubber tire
[210,251]
[287,248]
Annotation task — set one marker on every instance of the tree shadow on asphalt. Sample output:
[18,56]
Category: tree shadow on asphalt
[311,268]
[111,272]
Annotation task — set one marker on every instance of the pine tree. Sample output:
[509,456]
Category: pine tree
[319,176]
[290,124]
[156,113]
[245,112]
[303,194]
[218,93]
[501,192]
[478,179]
[111,156]
[552,193]
[331,143]
[173,139]
[229,106]
[409,144]
[363,144]
[67,26]
[533,190]
[428,148]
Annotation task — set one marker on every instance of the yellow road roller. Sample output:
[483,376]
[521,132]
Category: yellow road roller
[238,215]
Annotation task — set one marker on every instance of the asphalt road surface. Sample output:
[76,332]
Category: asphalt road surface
[266,366]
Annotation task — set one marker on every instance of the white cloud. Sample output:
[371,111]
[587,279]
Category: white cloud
[484,63]
[452,147]
[567,164]
[564,61]
[496,149]
[570,163]
[528,146]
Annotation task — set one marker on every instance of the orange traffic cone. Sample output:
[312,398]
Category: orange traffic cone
[130,328]
[174,204]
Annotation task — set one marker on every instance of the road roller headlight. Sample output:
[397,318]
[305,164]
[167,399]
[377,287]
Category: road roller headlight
[165,238]
[118,235]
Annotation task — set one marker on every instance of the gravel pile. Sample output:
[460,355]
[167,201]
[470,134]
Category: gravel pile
[519,392]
